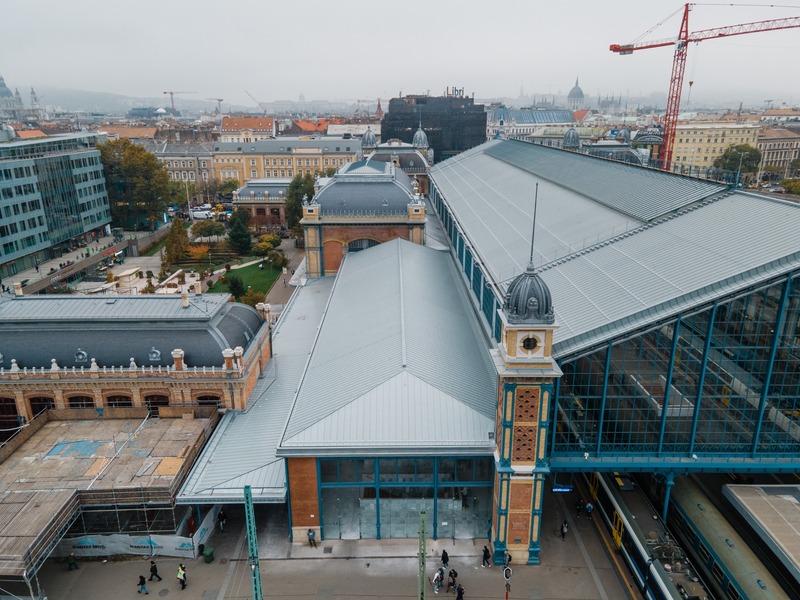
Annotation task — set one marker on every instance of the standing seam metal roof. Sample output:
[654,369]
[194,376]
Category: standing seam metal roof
[399,338]
[637,272]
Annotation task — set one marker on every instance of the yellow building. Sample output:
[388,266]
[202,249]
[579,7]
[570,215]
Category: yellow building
[698,145]
[283,157]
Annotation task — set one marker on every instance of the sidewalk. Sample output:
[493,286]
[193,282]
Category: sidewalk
[44,268]
[578,568]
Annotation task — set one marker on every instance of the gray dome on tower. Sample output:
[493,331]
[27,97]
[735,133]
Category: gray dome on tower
[528,299]
[572,141]
[420,140]
[369,141]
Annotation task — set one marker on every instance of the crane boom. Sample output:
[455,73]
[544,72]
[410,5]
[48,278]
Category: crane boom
[681,44]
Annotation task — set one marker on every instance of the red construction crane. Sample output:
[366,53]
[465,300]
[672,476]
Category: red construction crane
[681,44]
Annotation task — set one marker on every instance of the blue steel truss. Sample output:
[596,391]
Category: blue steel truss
[715,390]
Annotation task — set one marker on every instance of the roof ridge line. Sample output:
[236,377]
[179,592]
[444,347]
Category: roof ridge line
[403,359]
[716,196]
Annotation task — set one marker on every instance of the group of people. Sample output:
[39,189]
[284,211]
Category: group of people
[142,585]
[452,578]
[580,507]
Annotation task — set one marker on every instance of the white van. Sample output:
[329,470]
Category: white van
[202,214]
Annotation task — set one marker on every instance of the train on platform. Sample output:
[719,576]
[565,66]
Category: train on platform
[726,563]
[658,563]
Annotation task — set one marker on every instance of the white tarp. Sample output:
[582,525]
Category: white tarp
[120,543]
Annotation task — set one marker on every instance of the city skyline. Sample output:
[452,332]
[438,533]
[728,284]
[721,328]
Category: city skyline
[280,51]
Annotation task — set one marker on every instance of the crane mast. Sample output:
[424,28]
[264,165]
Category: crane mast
[681,44]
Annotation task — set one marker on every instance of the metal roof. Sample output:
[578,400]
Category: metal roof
[287,144]
[74,329]
[242,450]
[529,116]
[400,363]
[609,273]
[643,194]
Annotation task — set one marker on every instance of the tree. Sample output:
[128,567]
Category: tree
[791,185]
[201,229]
[270,238]
[241,214]
[229,186]
[239,238]
[177,244]
[137,184]
[739,154]
[794,167]
[252,297]
[278,259]
[198,252]
[181,192]
[235,286]
[262,249]
[300,187]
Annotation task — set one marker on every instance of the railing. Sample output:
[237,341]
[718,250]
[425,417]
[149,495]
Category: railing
[113,371]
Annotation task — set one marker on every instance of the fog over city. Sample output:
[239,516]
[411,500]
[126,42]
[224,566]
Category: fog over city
[354,49]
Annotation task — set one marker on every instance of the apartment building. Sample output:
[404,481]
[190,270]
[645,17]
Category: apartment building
[284,157]
[698,145]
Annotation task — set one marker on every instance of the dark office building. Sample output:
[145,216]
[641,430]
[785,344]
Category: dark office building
[453,123]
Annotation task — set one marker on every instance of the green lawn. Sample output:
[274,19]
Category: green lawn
[252,276]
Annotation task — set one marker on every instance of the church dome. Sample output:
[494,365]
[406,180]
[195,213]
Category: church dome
[528,299]
[572,141]
[4,91]
[420,140]
[369,140]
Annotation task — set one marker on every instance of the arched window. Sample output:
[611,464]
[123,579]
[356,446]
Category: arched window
[119,402]
[154,402]
[208,401]
[39,405]
[81,402]
[358,245]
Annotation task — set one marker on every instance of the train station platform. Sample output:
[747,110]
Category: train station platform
[580,566]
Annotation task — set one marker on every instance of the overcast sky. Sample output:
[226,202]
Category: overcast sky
[354,49]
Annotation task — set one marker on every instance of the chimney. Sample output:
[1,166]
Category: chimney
[227,354]
[177,357]
[184,299]
[238,352]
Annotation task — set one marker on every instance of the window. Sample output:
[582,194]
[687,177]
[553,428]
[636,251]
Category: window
[81,402]
[208,400]
[41,404]
[119,402]
[154,402]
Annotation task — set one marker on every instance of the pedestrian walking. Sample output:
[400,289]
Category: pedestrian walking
[451,581]
[578,507]
[182,576]
[72,562]
[506,558]
[487,557]
[460,592]
[445,559]
[589,509]
[564,530]
[438,579]
[222,518]
[312,538]
[142,585]
[154,571]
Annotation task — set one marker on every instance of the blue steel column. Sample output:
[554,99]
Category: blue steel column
[603,401]
[670,481]
[556,399]
[252,545]
[702,381]
[377,498]
[436,499]
[762,405]
[662,429]
[504,472]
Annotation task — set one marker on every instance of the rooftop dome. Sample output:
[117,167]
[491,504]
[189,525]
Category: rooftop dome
[572,141]
[575,93]
[528,299]
[4,91]
[369,140]
[420,140]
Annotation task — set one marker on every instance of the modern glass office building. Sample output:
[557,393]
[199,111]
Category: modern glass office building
[52,198]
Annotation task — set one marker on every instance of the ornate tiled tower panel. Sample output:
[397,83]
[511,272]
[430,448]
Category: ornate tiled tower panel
[527,376]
